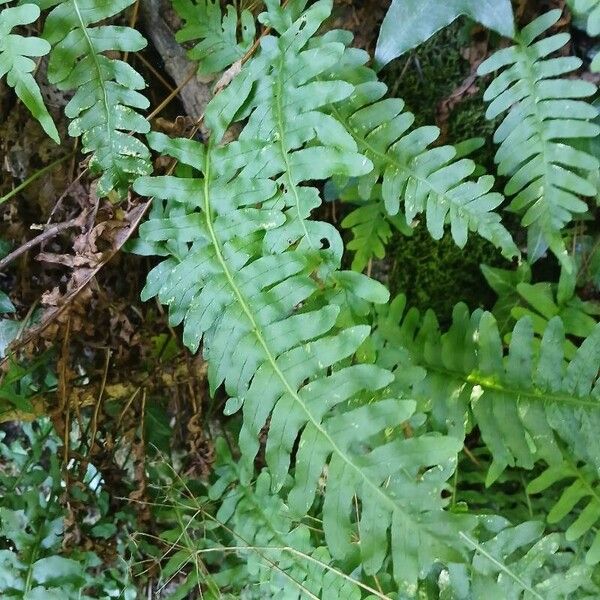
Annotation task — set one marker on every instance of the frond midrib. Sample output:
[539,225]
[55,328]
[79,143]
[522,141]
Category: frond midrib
[539,127]
[475,378]
[101,81]
[281,139]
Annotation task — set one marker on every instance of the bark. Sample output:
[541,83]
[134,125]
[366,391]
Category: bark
[160,22]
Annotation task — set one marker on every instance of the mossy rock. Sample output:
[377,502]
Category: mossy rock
[438,274]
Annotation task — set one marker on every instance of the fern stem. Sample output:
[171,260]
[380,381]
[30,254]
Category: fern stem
[172,95]
[529,79]
[527,496]
[101,81]
[284,153]
[475,380]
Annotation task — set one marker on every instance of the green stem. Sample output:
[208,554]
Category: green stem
[33,177]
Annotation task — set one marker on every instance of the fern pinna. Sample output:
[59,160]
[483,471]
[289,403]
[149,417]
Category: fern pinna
[279,555]
[16,53]
[250,275]
[590,9]
[218,47]
[545,113]
[519,562]
[406,172]
[104,106]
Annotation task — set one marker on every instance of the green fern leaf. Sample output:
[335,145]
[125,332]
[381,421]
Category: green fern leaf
[520,401]
[413,175]
[16,64]
[371,230]
[264,348]
[249,275]
[103,107]
[547,174]
[519,562]
[591,10]
[218,47]
[584,489]
[371,226]
[540,302]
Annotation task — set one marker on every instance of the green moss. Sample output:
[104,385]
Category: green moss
[429,73]
[437,275]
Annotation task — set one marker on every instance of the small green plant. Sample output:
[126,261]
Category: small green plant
[33,563]
[16,62]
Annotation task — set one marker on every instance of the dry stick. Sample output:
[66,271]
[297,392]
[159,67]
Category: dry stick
[94,423]
[139,212]
[39,239]
[156,21]
[65,192]
[132,22]
[64,399]
[172,95]
[154,72]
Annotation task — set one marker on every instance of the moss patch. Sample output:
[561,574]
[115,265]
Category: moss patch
[437,275]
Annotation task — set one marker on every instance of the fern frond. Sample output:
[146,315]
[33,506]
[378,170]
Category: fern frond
[414,176]
[519,562]
[371,232]
[103,107]
[541,302]
[519,401]
[371,225]
[265,348]
[15,62]
[584,490]
[249,274]
[547,173]
[218,47]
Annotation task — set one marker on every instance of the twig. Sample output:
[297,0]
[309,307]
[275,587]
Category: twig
[40,239]
[172,95]
[132,22]
[136,216]
[94,422]
[64,405]
[154,71]
[66,191]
